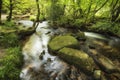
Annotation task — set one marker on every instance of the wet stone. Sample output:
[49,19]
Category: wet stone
[97,74]
[78,58]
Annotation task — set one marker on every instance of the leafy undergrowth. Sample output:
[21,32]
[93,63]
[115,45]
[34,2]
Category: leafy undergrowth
[8,25]
[106,26]
[11,64]
[12,26]
[9,40]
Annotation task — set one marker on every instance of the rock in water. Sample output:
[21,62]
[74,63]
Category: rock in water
[62,41]
[97,74]
[78,58]
[105,63]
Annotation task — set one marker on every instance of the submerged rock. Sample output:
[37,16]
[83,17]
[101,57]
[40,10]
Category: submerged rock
[78,58]
[60,42]
[97,74]
[105,63]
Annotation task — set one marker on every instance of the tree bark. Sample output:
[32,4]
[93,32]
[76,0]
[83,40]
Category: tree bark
[96,10]
[11,9]
[115,10]
[88,11]
[101,6]
[0,11]
[38,15]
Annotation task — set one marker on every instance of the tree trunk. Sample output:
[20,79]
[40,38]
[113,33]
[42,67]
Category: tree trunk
[11,9]
[0,11]
[38,14]
[88,11]
[115,10]
[96,10]
[38,9]
[115,14]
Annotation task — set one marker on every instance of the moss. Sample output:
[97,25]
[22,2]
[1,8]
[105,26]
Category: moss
[62,41]
[78,58]
[10,66]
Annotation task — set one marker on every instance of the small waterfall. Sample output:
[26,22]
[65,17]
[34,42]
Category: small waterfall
[95,35]
[38,63]
[112,41]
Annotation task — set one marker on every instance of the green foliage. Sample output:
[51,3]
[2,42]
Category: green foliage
[55,11]
[115,29]
[68,21]
[102,25]
[9,24]
[19,7]
[32,18]
[11,64]
[42,17]
[9,40]
[65,21]
[79,23]
[107,27]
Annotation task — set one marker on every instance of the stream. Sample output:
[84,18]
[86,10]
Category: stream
[40,65]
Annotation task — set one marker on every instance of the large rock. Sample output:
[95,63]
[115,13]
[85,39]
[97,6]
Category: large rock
[78,58]
[60,42]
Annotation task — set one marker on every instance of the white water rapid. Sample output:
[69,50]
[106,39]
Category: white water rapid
[95,35]
[38,63]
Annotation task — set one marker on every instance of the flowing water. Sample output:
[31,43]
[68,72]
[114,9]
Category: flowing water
[110,40]
[95,35]
[40,65]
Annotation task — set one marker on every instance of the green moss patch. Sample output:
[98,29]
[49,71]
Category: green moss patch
[78,58]
[62,41]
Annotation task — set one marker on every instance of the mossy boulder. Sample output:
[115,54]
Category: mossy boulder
[60,42]
[78,58]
